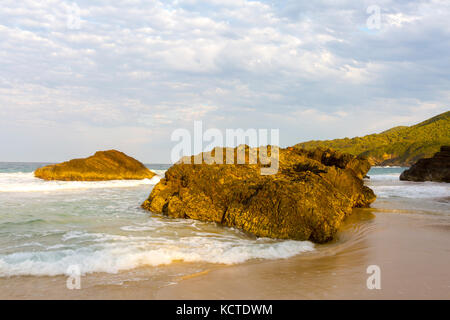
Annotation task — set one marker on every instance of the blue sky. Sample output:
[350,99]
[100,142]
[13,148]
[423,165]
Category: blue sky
[76,77]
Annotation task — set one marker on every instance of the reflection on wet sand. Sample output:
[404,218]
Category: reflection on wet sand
[410,249]
[400,245]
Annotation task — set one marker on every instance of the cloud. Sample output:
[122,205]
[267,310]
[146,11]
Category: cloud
[134,68]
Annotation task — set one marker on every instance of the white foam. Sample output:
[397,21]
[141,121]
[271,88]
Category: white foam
[26,182]
[133,252]
[387,167]
[159,172]
[418,190]
[390,185]
[385,177]
[136,228]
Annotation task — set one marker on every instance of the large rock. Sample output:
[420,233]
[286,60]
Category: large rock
[103,165]
[436,168]
[307,198]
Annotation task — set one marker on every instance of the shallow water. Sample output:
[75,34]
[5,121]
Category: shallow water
[123,251]
[48,226]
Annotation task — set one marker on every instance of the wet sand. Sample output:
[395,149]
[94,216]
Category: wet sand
[412,251]
[414,258]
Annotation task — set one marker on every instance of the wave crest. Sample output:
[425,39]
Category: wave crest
[135,252]
[27,182]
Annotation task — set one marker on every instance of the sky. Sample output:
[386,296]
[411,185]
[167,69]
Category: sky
[82,76]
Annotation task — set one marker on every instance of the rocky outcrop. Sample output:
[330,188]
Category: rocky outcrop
[436,168]
[103,165]
[307,198]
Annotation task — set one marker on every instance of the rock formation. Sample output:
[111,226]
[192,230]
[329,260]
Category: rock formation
[104,165]
[307,198]
[436,168]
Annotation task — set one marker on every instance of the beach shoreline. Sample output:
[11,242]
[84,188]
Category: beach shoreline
[411,251]
[405,233]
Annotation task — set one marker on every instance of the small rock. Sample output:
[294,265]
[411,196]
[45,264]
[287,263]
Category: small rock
[104,165]
[436,168]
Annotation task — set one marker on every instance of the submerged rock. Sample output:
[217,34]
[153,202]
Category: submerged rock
[307,198]
[103,165]
[436,168]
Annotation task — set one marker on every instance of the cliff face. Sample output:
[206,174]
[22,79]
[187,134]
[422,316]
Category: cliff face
[307,198]
[104,165]
[436,168]
[400,146]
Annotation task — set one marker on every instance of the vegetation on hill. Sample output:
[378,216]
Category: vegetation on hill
[401,146]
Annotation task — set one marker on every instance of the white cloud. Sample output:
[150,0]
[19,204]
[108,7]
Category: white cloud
[153,66]
[399,19]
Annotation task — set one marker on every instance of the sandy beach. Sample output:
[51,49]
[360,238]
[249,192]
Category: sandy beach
[123,252]
[412,253]
[224,150]
[411,250]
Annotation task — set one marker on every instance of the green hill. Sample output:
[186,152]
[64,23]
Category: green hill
[401,146]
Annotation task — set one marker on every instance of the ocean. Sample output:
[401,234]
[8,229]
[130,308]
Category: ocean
[48,227]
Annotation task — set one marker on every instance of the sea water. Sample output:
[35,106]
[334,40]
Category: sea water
[429,198]
[48,226]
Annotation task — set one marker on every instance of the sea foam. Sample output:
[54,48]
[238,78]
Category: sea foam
[26,182]
[390,186]
[125,253]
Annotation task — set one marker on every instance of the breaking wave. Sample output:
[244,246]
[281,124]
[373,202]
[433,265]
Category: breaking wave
[26,182]
[114,253]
